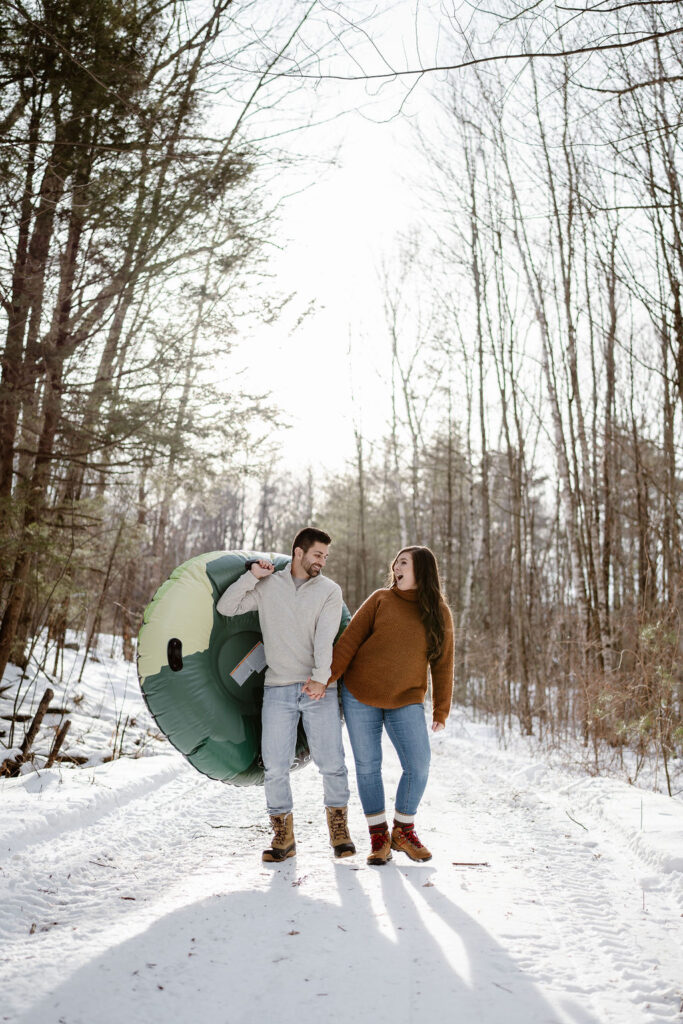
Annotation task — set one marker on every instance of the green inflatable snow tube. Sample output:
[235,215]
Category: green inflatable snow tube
[195,673]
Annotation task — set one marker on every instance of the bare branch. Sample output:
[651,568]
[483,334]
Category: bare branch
[478,61]
[666,79]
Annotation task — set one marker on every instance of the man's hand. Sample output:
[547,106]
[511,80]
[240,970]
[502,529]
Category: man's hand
[437,726]
[316,691]
[262,568]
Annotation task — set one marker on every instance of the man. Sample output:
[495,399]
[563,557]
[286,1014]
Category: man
[299,613]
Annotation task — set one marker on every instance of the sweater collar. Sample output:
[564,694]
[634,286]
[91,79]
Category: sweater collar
[405,595]
[287,572]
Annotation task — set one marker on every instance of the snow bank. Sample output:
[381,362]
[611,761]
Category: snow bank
[650,823]
[46,803]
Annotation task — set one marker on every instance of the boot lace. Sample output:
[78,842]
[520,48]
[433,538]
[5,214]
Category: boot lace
[378,839]
[409,834]
[280,830]
[338,829]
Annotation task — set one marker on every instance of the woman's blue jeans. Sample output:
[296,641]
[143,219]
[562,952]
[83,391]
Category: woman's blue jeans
[407,730]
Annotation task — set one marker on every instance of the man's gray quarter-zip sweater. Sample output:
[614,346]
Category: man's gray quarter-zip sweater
[298,624]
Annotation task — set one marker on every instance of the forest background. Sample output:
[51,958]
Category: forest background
[532,324]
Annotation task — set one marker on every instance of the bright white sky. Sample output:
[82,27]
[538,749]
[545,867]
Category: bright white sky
[341,230]
[336,236]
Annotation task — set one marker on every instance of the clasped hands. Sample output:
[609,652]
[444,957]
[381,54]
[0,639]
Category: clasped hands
[314,690]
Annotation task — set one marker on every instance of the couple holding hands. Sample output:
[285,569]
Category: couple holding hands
[384,655]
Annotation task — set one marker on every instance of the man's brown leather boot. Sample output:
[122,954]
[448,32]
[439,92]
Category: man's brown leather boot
[340,839]
[283,845]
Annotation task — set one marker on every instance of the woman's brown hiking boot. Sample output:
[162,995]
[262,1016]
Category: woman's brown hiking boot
[381,844]
[403,838]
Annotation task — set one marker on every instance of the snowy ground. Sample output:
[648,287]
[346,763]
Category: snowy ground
[101,700]
[134,890]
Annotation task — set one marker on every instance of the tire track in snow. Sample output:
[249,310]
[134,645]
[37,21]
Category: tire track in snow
[590,888]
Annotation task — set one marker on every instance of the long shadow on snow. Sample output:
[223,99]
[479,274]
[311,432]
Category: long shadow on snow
[459,969]
[398,953]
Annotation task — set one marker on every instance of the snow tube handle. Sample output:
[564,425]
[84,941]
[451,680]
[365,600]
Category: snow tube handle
[174,653]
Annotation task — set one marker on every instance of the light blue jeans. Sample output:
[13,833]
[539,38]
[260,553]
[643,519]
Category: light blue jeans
[282,706]
[407,730]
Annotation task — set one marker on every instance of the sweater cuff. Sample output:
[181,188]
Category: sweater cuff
[248,580]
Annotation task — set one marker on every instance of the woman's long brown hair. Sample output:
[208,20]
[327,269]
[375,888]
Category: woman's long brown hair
[429,596]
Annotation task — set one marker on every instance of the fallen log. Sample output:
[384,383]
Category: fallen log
[11,766]
[56,746]
[36,723]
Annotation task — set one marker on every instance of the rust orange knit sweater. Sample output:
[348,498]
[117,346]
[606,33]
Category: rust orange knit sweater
[383,654]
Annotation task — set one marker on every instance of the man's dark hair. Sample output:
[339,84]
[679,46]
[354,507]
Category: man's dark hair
[309,535]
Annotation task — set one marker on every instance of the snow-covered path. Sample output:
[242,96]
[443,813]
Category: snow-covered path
[135,891]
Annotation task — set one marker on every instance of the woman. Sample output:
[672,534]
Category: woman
[391,641]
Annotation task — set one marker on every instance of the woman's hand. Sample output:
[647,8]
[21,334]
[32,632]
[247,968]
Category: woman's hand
[437,726]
